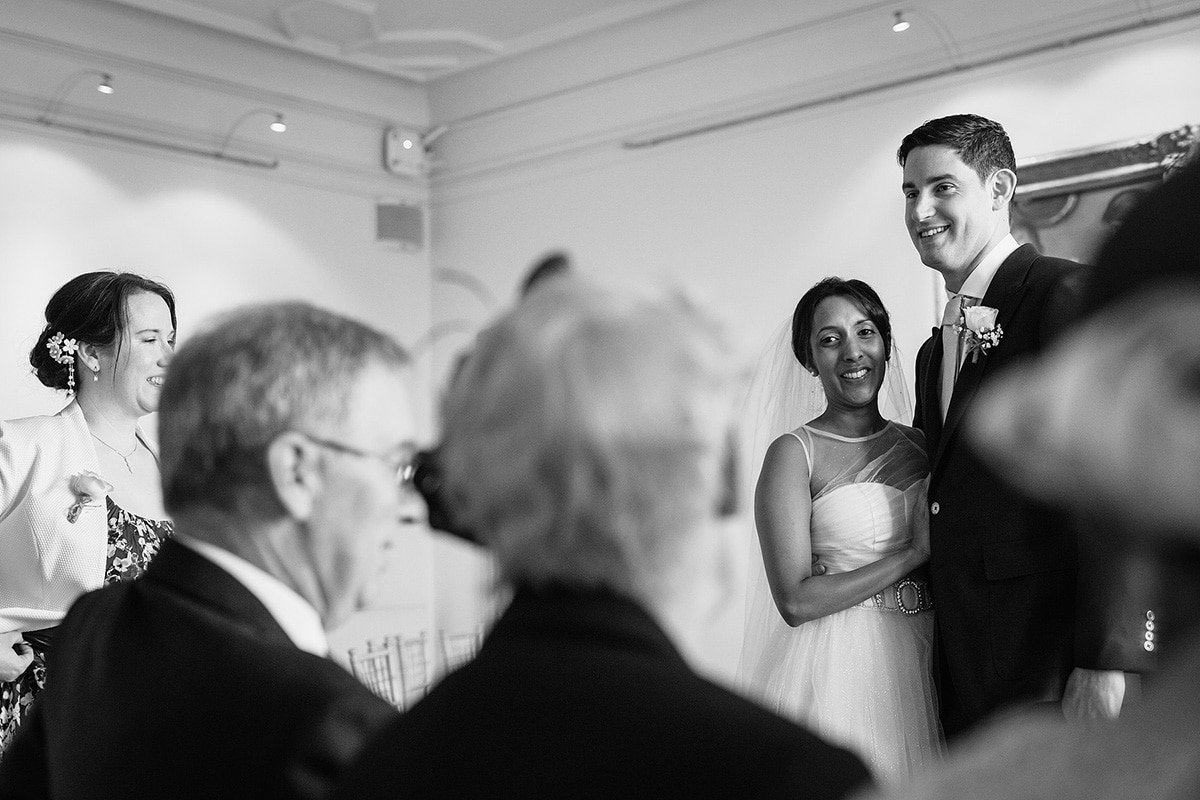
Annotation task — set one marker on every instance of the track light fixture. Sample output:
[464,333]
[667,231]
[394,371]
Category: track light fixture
[936,24]
[60,94]
[277,125]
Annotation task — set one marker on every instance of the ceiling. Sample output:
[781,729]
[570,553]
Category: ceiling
[658,66]
[416,39]
[427,40]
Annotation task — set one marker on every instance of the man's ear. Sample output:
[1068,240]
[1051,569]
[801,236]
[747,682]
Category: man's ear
[294,464]
[1004,184]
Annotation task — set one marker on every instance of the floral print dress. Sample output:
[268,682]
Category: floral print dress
[132,542]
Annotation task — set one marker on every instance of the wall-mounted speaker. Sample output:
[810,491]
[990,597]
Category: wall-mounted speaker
[402,224]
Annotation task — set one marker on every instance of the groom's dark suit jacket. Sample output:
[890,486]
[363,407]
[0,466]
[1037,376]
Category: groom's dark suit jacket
[181,684]
[1023,595]
[582,695]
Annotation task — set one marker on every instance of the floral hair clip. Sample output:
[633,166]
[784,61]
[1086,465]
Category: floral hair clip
[63,351]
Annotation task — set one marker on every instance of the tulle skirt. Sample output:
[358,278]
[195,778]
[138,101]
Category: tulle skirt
[861,678]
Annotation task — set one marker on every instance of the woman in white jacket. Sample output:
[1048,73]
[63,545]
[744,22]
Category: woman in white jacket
[80,500]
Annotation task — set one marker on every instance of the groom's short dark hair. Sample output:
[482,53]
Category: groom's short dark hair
[981,143]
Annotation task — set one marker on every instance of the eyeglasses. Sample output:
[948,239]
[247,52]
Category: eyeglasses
[402,464]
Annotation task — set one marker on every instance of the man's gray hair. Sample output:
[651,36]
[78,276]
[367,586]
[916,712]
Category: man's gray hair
[585,437]
[251,375]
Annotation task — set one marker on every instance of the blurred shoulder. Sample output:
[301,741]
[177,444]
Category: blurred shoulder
[1036,755]
[786,759]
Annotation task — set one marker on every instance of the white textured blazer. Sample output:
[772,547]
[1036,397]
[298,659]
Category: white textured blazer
[45,561]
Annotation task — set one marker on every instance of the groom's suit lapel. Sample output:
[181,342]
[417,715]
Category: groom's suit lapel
[931,390]
[1004,294]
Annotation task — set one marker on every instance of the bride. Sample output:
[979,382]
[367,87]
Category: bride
[845,647]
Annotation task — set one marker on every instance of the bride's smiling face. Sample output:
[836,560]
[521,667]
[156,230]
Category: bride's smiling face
[849,353]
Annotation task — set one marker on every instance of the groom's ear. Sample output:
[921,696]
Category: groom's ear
[1003,184]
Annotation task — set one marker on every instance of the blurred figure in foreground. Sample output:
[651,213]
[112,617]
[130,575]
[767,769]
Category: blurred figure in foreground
[284,430]
[1108,420]
[586,442]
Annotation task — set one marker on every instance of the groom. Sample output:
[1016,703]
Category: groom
[1020,619]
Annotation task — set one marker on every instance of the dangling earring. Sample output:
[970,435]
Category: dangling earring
[95,374]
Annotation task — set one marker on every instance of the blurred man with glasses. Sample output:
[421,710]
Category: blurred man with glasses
[286,438]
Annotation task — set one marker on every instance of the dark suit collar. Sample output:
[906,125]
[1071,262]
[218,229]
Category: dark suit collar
[599,617]
[1009,282]
[931,388]
[1003,294]
[183,571]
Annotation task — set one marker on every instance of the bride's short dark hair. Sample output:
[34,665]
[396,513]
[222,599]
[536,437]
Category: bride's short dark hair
[854,289]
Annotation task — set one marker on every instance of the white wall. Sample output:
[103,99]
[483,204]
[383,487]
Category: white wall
[752,216]
[218,233]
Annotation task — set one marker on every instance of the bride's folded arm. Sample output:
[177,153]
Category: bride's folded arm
[782,515]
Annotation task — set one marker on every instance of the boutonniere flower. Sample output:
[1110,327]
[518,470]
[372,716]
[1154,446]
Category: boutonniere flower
[979,330]
[88,488]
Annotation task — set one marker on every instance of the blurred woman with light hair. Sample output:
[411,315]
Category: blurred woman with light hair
[605,476]
[587,445]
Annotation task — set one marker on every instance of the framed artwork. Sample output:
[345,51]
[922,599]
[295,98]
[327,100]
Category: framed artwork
[1068,203]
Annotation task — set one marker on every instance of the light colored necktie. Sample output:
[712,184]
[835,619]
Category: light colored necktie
[952,345]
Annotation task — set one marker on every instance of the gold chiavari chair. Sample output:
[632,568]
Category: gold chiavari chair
[459,648]
[413,656]
[375,665]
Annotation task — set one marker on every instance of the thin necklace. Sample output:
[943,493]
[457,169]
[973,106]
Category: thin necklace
[124,456]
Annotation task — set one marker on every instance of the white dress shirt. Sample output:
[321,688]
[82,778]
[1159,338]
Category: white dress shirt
[976,285]
[294,614]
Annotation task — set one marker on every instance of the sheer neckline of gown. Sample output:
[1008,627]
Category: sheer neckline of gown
[887,426]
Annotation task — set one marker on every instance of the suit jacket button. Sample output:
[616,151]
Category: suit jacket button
[1149,646]
[935,508]
[1150,616]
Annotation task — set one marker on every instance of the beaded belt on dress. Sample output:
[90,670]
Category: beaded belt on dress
[906,596]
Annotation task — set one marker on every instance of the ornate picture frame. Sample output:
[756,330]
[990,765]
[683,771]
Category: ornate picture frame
[1068,203]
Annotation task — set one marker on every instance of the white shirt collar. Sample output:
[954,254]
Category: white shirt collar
[977,283]
[299,620]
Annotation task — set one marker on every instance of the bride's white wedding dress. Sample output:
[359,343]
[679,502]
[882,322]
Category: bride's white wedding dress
[861,677]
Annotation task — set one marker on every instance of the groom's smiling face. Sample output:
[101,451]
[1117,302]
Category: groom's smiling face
[953,216]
